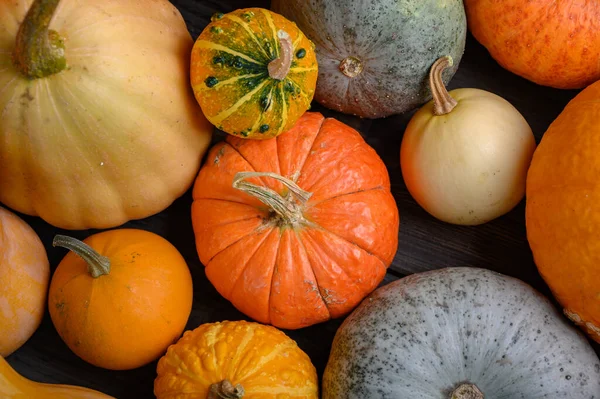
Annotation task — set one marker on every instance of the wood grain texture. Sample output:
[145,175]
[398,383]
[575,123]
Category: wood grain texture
[500,245]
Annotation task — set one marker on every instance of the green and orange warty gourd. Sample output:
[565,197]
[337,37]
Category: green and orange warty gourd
[253,72]
[98,122]
[24,277]
[298,229]
[235,360]
[120,298]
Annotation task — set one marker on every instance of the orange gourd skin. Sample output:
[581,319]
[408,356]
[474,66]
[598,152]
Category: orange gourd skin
[267,363]
[297,276]
[563,209]
[24,277]
[230,77]
[15,386]
[127,318]
[552,43]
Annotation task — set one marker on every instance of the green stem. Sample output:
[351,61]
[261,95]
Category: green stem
[467,391]
[39,51]
[289,210]
[225,390]
[98,265]
[443,102]
[280,67]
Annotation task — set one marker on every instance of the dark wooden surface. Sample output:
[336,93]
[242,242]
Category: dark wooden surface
[500,245]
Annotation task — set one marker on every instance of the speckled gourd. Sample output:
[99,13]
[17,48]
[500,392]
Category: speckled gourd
[459,333]
[374,56]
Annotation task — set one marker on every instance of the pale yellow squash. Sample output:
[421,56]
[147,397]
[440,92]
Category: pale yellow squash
[111,130]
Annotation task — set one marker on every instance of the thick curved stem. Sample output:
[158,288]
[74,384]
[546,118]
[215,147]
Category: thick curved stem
[289,210]
[39,51]
[467,391]
[98,265]
[443,102]
[279,67]
[225,390]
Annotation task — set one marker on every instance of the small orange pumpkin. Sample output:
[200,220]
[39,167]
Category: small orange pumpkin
[306,229]
[24,276]
[120,298]
[563,209]
[235,359]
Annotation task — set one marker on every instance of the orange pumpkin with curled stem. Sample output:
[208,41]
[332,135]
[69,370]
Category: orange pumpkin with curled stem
[120,297]
[304,223]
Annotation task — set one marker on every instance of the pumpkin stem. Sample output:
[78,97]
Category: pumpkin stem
[290,211]
[39,51]
[225,390]
[467,391]
[351,67]
[443,102]
[279,67]
[98,265]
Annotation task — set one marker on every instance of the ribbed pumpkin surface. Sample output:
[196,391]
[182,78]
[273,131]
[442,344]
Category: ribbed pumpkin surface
[230,77]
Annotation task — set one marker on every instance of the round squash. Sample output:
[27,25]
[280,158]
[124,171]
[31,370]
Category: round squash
[465,154]
[24,276]
[374,56]
[120,297]
[303,224]
[15,386]
[99,125]
[551,43]
[459,333]
[562,209]
[253,73]
[236,359]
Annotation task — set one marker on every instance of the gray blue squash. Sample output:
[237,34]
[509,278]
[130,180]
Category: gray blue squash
[460,333]
[374,56]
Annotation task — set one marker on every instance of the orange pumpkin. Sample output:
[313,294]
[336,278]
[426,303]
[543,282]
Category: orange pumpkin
[235,359]
[563,209]
[307,229]
[120,298]
[24,275]
[552,43]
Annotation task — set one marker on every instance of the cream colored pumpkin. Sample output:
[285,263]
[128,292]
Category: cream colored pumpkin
[117,135]
[24,276]
[465,154]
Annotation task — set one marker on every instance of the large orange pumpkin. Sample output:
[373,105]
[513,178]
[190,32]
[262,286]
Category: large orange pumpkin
[120,297]
[307,237]
[563,209]
[24,276]
[552,43]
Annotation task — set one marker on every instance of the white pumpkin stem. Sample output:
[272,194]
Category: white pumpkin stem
[225,390]
[39,51]
[98,265]
[467,391]
[280,67]
[443,103]
[290,211]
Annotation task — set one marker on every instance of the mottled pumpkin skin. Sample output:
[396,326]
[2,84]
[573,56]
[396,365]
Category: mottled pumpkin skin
[127,318]
[266,362]
[24,278]
[424,335]
[396,41]
[230,78]
[562,211]
[552,43]
[305,274]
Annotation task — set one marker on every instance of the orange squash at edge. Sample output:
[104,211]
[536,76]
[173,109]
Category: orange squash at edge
[236,359]
[24,278]
[123,305]
[323,242]
[563,212]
